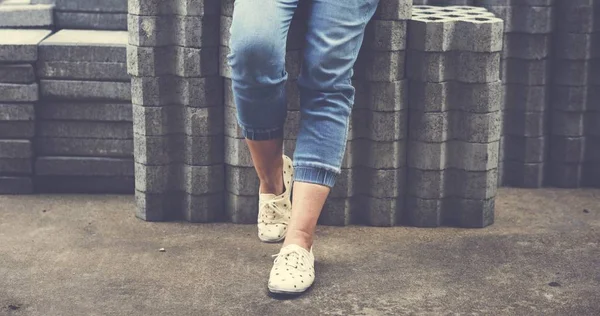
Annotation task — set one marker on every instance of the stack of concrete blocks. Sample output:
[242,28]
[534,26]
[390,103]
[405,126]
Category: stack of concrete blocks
[444,2]
[18,95]
[90,14]
[526,73]
[84,139]
[241,181]
[177,97]
[575,97]
[455,115]
[371,187]
[25,14]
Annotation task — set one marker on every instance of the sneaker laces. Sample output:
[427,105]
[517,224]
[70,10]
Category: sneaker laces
[270,212]
[293,258]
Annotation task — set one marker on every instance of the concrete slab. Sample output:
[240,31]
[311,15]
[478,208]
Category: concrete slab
[89,255]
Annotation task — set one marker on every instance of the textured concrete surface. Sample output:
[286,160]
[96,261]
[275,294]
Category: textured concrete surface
[89,255]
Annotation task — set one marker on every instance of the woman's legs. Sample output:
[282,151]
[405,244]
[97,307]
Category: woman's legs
[335,34]
[258,44]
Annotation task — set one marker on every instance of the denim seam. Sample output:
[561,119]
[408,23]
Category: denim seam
[318,166]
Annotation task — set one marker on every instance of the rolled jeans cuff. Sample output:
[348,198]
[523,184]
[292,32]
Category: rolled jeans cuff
[265,134]
[315,175]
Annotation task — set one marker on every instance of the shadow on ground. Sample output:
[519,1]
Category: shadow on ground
[89,255]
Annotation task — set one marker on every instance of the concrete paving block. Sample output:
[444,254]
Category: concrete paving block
[567,123]
[199,180]
[82,71]
[592,128]
[172,60]
[527,46]
[17,129]
[91,20]
[241,209]
[528,124]
[576,72]
[378,126]
[448,31]
[381,212]
[26,16]
[15,166]
[237,153]
[377,155]
[85,129]
[575,98]
[453,154]
[292,125]
[18,45]
[14,92]
[378,183]
[85,111]
[576,46]
[231,126]
[380,66]
[17,73]
[526,149]
[16,112]
[203,121]
[380,96]
[446,96]
[338,211]
[345,186]
[241,180]
[592,152]
[442,126]
[530,20]
[87,147]
[577,16]
[157,207]
[203,208]
[591,175]
[424,212]
[524,98]
[515,3]
[203,150]
[227,7]
[457,65]
[168,90]
[469,213]
[177,7]
[15,148]
[393,10]
[568,149]
[85,45]
[383,35]
[157,121]
[440,184]
[185,31]
[83,166]
[524,175]
[15,185]
[526,72]
[92,5]
[84,184]
[565,175]
[158,178]
[158,150]
[85,90]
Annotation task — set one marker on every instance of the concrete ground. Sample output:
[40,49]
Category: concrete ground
[88,255]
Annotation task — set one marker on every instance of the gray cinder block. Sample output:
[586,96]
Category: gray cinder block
[15,166]
[14,92]
[84,184]
[15,185]
[89,147]
[85,46]
[85,111]
[85,90]
[17,73]
[16,112]
[91,20]
[20,45]
[26,16]
[82,71]
[177,7]
[84,129]
[15,148]
[167,90]
[185,31]
[91,5]
[83,166]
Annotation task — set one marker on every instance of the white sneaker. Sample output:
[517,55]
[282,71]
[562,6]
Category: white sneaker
[293,270]
[275,211]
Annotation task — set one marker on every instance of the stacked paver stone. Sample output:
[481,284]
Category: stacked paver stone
[84,130]
[369,190]
[18,96]
[25,14]
[90,14]
[575,97]
[177,97]
[455,115]
[241,180]
[526,73]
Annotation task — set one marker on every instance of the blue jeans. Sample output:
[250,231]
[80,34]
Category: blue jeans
[258,47]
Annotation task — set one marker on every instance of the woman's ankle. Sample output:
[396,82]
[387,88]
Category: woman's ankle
[300,238]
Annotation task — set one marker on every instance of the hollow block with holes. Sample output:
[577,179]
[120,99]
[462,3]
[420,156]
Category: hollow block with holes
[455,117]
